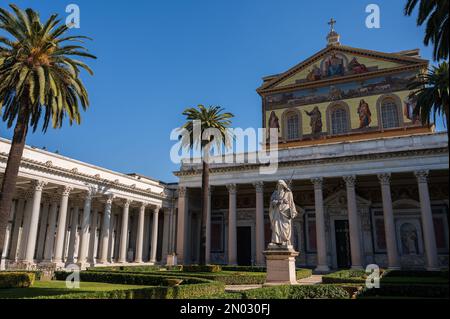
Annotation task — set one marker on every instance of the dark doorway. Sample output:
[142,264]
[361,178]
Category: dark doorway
[244,246]
[342,243]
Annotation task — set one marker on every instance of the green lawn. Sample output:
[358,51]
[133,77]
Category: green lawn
[52,288]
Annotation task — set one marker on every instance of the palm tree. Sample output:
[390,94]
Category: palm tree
[435,14]
[39,80]
[430,91]
[211,117]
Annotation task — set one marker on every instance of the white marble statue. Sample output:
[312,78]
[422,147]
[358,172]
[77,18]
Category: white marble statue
[281,212]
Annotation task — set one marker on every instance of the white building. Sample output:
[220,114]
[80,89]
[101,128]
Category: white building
[66,211]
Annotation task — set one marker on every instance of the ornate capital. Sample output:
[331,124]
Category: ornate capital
[259,186]
[90,192]
[156,209]
[109,199]
[350,180]
[422,176]
[143,205]
[384,178]
[38,185]
[127,202]
[182,190]
[66,190]
[231,188]
[317,182]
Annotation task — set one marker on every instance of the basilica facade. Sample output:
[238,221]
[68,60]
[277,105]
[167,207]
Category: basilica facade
[370,182]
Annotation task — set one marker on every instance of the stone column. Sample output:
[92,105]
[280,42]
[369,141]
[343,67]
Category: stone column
[111,241]
[429,236]
[18,218]
[85,222]
[208,228]
[182,224]
[73,235]
[124,232]
[166,235]
[50,237]
[61,231]
[322,262]
[353,223]
[259,187]
[172,228]
[42,231]
[389,224]
[104,247]
[26,225]
[93,236]
[140,234]
[34,220]
[232,236]
[154,244]
[8,235]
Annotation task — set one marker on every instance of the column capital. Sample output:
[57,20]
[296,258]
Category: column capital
[422,176]
[66,190]
[232,188]
[126,202]
[109,199]
[259,186]
[156,209]
[384,178]
[143,205]
[350,180]
[182,190]
[90,192]
[38,185]
[317,182]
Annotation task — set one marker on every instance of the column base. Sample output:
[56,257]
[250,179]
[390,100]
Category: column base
[433,268]
[22,265]
[322,268]
[280,263]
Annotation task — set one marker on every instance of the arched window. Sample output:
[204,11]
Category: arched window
[389,113]
[339,121]
[292,126]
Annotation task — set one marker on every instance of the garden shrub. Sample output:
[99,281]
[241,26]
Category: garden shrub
[405,291]
[164,288]
[9,279]
[345,276]
[297,292]
[201,268]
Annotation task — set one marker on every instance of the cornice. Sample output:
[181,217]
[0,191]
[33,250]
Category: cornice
[341,79]
[338,159]
[49,168]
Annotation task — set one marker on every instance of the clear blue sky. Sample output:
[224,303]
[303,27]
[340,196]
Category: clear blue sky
[158,57]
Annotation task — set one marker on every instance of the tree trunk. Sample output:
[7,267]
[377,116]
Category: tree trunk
[204,205]
[12,170]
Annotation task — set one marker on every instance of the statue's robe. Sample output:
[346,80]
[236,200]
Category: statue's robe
[282,211]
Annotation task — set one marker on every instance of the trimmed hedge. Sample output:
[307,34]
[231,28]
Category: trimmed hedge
[345,276]
[189,287]
[407,291]
[244,268]
[16,279]
[202,268]
[415,273]
[297,292]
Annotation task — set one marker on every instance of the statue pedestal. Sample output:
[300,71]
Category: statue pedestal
[280,262]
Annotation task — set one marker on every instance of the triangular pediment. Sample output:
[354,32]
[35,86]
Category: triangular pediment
[339,63]
[339,199]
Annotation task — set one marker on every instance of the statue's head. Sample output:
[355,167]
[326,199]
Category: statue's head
[281,185]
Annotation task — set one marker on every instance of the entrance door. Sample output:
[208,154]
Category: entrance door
[244,246]
[342,243]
